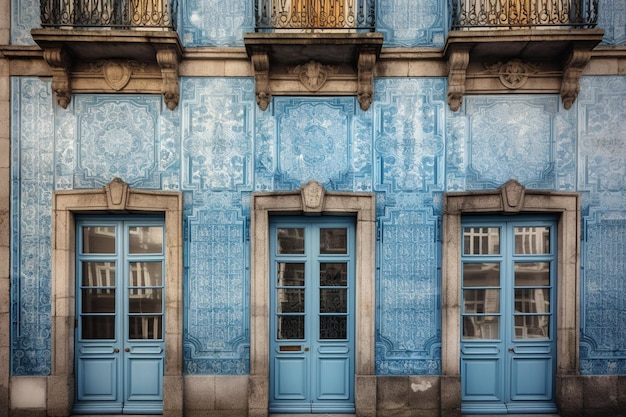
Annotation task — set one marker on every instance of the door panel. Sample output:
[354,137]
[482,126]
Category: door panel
[312,304]
[508,315]
[119,302]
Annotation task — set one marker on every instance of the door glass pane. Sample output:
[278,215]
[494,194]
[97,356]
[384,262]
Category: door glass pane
[290,274]
[98,274]
[484,274]
[334,241]
[98,327]
[333,300]
[481,240]
[145,327]
[99,239]
[532,274]
[145,300]
[145,239]
[481,327]
[532,240]
[146,274]
[98,300]
[333,274]
[291,300]
[290,327]
[333,327]
[532,326]
[532,300]
[290,241]
[481,301]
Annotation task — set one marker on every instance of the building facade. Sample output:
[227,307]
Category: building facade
[373,207]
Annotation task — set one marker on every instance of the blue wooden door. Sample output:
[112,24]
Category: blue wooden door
[312,315]
[120,288]
[508,315]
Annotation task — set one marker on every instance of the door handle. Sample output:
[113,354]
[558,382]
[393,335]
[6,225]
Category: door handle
[511,350]
[306,349]
[127,350]
[116,350]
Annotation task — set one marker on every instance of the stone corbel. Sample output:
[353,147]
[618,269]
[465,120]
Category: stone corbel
[168,61]
[60,63]
[572,70]
[365,78]
[458,61]
[262,89]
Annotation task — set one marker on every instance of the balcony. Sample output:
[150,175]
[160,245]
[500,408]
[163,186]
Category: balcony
[530,46]
[101,46]
[314,47]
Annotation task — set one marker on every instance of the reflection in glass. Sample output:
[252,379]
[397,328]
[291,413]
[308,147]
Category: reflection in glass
[290,274]
[145,300]
[145,327]
[532,300]
[98,274]
[481,301]
[98,327]
[532,240]
[98,239]
[333,327]
[145,239]
[291,300]
[97,301]
[483,274]
[290,327]
[334,241]
[333,300]
[333,274]
[146,274]
[532,274]
[290,241]
[481,240]
[532,326]
[481,327]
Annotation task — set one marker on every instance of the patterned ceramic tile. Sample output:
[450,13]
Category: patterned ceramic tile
[407,23]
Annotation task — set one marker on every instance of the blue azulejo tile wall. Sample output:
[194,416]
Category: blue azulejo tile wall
[217,148]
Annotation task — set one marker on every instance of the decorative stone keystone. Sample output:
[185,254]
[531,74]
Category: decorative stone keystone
[117,194]
[313,194]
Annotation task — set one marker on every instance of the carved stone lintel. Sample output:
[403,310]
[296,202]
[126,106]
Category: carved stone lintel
[261,63]
[365,78]
[512,194]
[60,63]
[572,70]
[168,62]
[117,194]
[458,62]
[313,197]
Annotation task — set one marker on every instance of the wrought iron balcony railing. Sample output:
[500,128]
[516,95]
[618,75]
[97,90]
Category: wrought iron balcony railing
[315,15]
[517,14]
[122,14]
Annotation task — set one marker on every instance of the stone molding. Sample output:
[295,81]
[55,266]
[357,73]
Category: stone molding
[312,199]
[512,197]
[115,197]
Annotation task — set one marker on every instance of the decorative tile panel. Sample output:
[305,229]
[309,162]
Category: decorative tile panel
[215,22]
[24,17]
[117,137]
[32,181]
[612,18]
[407,23]
[217,178]
[511,137]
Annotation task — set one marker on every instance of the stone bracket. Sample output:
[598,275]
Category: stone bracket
[567,52]
[116,60]
[288,64]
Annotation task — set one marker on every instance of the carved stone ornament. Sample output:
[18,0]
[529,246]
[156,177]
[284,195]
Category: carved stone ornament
[313,197]
[313,74]
[458,62]
[60,64]
[168,62]
[512,194]
[263,92]
[365,78]
[117,194]
[573,69]
[514,73]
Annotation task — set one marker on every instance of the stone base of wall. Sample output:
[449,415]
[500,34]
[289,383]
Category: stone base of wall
[377,396]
